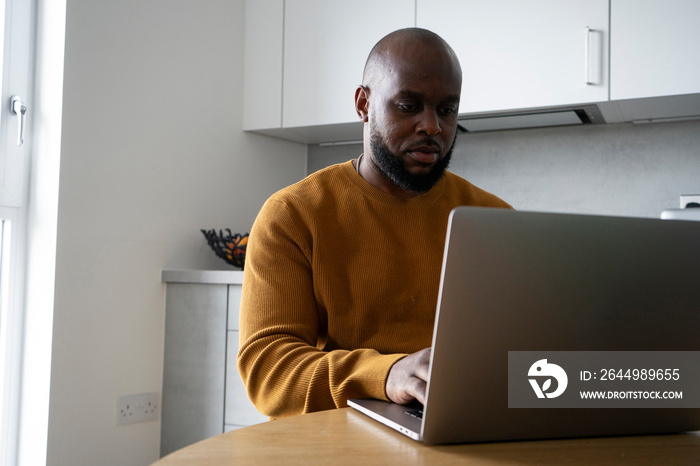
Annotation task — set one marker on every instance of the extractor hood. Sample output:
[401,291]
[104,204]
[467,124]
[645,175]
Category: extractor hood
[582,115]
[644,110]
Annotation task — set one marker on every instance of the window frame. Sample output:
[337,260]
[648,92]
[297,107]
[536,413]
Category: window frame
[17,71]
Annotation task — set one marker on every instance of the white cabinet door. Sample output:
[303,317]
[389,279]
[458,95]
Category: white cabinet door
[654,48]
[524,54]
[326,44]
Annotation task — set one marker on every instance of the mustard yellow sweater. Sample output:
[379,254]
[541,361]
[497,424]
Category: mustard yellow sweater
[341,281]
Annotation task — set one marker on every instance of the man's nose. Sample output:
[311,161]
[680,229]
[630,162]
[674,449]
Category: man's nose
[429,122]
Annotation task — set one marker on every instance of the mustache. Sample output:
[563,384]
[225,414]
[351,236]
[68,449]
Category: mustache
[426,142]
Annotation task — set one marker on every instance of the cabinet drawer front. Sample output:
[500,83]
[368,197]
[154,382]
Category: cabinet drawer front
[239,410]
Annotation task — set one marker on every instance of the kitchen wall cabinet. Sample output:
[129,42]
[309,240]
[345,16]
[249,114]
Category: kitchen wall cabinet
[304,80]
[654,48]
[203,394]
[633,60]
[516,54]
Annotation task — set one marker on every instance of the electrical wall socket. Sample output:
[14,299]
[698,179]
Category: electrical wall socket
[689,199]
[137,408]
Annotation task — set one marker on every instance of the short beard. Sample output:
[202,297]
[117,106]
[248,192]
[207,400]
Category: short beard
[393,169]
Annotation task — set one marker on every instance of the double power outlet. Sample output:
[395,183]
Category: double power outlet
[137,408]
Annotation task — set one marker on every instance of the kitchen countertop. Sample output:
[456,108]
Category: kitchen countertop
[212,277]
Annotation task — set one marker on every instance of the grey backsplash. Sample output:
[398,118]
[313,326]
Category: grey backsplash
[617,169]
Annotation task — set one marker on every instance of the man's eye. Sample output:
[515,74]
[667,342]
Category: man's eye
[447,111]
[406,107]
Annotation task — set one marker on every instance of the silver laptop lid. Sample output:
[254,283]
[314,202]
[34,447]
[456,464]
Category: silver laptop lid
[524,281]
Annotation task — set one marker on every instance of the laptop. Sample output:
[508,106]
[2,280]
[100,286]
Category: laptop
[535,309]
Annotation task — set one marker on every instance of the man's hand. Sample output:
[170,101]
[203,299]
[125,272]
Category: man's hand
[407,380]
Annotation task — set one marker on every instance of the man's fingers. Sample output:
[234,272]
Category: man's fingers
[407,380]
[417,388]
[421,370]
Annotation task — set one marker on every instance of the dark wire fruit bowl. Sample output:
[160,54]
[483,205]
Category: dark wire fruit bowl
[230,247]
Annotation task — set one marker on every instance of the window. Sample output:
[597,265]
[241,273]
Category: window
[16,47]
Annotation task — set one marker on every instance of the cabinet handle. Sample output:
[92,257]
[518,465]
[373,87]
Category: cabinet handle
[587,57]
[18,108]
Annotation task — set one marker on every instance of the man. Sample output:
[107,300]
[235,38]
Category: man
[342,269]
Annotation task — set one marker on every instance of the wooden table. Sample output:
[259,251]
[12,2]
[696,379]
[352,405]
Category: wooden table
[345,436]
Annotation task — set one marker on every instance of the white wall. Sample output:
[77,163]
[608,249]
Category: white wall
[152,151]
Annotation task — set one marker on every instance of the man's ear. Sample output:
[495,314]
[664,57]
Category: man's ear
[362,103]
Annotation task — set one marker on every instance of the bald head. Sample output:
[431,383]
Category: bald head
[401,47]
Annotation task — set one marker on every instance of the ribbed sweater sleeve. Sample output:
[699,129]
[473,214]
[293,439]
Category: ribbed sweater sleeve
[340,282]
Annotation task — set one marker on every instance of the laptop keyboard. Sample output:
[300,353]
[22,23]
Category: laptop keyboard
[417,413]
